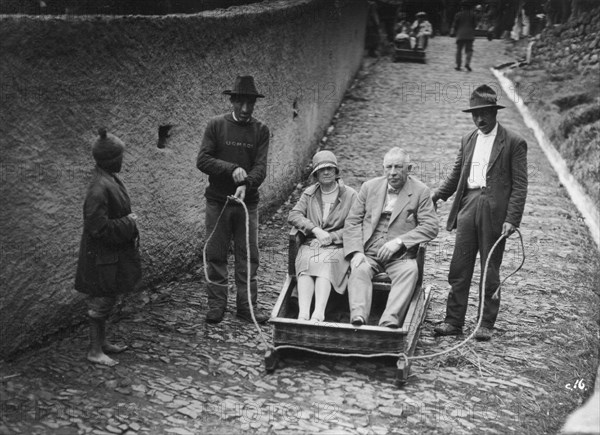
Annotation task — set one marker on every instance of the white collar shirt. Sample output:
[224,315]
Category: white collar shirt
[481,158]
[391,197]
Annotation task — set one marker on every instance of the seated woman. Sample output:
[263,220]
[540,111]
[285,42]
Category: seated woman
[402,38]
[319,215]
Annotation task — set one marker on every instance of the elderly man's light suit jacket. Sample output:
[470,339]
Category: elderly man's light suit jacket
[413,219]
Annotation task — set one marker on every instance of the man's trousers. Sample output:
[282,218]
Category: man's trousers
[232,225]
[467,44]
[402,272]
[474,233]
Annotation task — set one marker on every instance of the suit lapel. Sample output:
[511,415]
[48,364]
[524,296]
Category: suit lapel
[469,150]
[378,202]
[319,207]
[402,200]
[467,159]
[497,147]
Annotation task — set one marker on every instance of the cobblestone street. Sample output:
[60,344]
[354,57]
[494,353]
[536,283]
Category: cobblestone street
[181,376]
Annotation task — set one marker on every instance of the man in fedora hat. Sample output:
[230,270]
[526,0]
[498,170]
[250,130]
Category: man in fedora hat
[489,178]
[233,153]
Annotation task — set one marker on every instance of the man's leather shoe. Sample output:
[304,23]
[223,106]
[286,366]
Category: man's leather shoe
[358,321]
[215,315]
[389,324]
[483,334]
[447,329]
[258,315]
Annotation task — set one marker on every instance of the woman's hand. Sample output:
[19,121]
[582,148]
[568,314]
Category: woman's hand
[322,236]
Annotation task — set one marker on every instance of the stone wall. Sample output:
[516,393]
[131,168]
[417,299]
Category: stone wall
[575,44]
[63,77]
[560,87]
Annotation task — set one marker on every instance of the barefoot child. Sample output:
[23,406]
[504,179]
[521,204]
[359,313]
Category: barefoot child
[109,262]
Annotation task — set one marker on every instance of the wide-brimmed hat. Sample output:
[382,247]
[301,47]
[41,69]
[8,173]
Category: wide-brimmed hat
[244,85]
[324,159]
[483,96]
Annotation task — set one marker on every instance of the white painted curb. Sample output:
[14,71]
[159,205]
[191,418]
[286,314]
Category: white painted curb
[585,420]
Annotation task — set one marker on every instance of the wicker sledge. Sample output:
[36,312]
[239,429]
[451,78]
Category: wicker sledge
[336,334]
[402,52]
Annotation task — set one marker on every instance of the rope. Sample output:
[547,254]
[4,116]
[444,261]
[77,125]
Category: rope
[248,284]
[481,299]
[496,294]
[360,355]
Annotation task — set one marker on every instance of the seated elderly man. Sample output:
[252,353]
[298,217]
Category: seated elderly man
[421,30]
[392,215]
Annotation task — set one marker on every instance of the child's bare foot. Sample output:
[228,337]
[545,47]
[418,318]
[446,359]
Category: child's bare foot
[113,348]
[101,358]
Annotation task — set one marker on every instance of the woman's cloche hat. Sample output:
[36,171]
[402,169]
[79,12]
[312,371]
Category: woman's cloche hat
[324,159]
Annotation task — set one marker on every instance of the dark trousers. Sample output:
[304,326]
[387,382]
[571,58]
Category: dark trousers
[232,225]
[467,44]
[474,233]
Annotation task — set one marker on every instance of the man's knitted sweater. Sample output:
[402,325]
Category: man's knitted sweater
[228,144]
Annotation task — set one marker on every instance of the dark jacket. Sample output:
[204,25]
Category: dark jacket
[506,178]
[109,261]
[464,25]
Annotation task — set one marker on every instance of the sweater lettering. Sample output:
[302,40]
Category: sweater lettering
[239,144]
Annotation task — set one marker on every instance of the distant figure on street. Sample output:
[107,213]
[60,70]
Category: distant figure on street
[320,215]
[233,153]
[463,27]
[392,215]
[489,178]
[387,17]
[109,261]
[421,30]
[372,35]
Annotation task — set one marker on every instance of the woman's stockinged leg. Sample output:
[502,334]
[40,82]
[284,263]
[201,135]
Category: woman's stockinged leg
[306,289]
[322,291]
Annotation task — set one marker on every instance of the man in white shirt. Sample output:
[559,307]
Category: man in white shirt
[490,180]
[392,215]
[421,30]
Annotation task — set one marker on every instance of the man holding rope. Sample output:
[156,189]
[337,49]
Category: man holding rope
[234,155]
[490,180]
